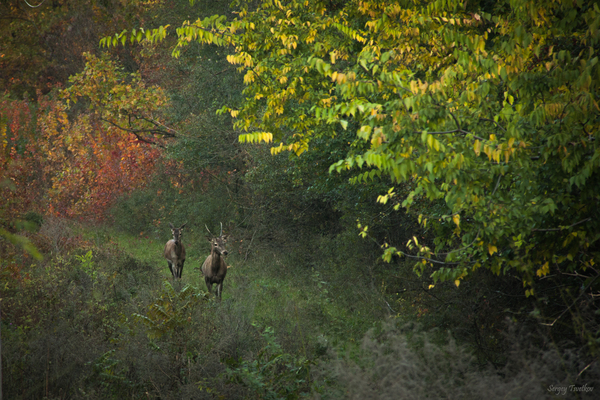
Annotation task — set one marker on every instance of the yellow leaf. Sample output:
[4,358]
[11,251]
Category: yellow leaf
[249,77]
[431,287]
[457,282]
[544,270]
[488,150]
[267,137]
[456,219]
[477,147]
[492,249]
[496,155]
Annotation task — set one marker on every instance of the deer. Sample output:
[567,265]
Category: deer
[214,268]
[175,251]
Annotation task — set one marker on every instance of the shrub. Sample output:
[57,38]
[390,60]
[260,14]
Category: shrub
[408,364]
[272,374]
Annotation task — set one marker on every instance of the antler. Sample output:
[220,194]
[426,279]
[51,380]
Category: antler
[221,234]
[208,230]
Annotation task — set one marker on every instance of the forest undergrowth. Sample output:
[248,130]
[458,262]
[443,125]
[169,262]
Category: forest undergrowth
[100,317]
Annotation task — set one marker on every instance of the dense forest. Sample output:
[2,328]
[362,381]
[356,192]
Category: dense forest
[410,192]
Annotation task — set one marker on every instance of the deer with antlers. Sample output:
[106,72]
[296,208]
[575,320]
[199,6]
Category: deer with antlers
[214,268]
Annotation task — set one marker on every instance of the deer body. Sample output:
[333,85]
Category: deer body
[175,252]
[214,268]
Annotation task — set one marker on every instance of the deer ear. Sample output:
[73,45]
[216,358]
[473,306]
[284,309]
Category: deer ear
[209,239]
[171,225]
[182,226]
[225,237]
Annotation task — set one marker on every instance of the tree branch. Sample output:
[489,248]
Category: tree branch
[137,133]
[563,228]
[428,259]
[170,132]
[495,123]
[452,131]
[575,301]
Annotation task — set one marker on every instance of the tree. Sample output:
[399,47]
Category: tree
[103,152]
[43,41]
[488,107]
[75,161]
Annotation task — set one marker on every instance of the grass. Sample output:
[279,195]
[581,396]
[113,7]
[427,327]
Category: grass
[149,249]
[103,319]
[277,288]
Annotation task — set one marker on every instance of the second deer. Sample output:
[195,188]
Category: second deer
[214,268]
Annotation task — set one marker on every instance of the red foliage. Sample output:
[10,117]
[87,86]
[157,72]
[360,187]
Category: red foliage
[77,169]
[20,179]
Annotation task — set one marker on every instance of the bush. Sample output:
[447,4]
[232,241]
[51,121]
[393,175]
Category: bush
[408,364]
[272,373]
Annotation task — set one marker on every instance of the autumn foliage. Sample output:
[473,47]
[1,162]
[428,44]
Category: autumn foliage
[19,158]
[65,165]
[91,165]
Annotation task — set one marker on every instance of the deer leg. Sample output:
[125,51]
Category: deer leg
[208,284]
[219,290]
[181,269]
[171,268]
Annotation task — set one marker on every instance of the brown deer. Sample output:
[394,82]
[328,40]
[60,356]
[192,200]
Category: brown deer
[175,251]
[214,268]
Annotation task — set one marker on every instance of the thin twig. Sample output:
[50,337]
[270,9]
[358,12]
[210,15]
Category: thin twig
[497,184]
[388,304]
[427,259]
[249,246]
[452,131]
[43,1]
[137,132]
[491,120]
[462,248]
[455,120]
[563,228]
[583,370]
[575,301]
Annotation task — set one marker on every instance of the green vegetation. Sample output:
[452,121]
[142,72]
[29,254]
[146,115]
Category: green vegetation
[409,190]
[103,319]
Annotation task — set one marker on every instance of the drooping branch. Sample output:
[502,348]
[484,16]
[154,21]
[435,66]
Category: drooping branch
[138,132]
[562,228]
[428,259]
[163,129]
[452,131]
[494,122]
